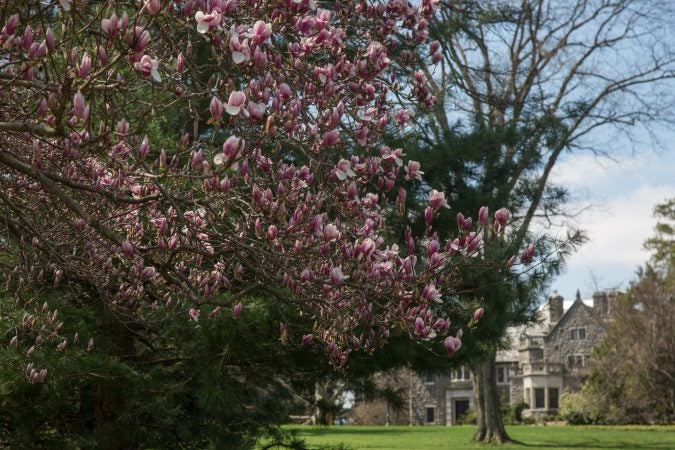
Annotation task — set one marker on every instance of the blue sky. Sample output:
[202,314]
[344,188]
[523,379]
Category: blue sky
[622,192]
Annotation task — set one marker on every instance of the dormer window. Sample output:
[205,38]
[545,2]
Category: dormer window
[578,334]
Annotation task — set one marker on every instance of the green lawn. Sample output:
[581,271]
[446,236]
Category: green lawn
[459,438]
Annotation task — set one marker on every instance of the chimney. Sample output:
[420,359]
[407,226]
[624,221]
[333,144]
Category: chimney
[611,302]
[600,303]
[555,307]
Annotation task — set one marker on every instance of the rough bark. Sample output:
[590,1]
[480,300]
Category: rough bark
[489,419]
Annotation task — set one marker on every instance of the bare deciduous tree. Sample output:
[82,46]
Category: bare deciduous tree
[555,76]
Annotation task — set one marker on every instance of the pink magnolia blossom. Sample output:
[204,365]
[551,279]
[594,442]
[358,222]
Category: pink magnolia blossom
[452,345]
[110,26]
[260,32]
[148,66]
[437,200]
[332,137]
[235,103]
[527,255]
[241,52]
[344,170]
[298,198]
[502,216]
[412,171]
[207,21]
[330,232]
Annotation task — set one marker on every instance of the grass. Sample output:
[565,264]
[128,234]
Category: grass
[460,438]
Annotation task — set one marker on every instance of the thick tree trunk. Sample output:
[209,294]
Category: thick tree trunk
[489,418]
[478,396]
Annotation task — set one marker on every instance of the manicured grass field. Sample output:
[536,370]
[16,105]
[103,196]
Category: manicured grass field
[459,438]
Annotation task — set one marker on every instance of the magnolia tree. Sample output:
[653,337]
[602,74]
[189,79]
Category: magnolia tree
[271,177]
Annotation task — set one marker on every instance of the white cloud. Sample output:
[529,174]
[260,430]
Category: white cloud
[617,235]
[623,194]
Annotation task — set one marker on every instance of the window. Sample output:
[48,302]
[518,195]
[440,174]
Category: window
[552,398]
[576,361]
[429,379]
[539,398]
[502,375]
[578,334]
[431,413]
[461,374]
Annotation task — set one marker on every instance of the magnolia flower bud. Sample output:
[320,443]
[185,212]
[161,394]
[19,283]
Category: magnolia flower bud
[84,67]
[237,309]
[180,63]
[478,314]
[162,159]
[336,276]
[272,232]
[78,104]
[144,148]
[127,249]
[216,108]
[428,215]
[483,215]
[307,339]
[152,7]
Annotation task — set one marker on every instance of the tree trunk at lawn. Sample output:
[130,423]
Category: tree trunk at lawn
[490,427]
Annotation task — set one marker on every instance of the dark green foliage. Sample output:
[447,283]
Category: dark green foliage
[216,383]
[221,383]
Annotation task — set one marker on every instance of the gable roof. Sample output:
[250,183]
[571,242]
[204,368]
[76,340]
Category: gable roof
[578,303]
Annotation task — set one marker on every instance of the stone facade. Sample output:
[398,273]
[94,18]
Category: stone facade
[545,360]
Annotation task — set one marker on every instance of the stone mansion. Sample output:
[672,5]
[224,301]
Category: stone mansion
[543,361]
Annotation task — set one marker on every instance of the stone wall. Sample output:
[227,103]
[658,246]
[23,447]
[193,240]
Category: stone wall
[428,392]
[558,345]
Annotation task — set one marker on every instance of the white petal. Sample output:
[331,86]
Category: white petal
[218,159]
[155,75]
[232,110]
[238,57]
[202,27]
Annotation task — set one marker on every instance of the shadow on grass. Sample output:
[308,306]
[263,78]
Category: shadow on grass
[614,445]
[368,431]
